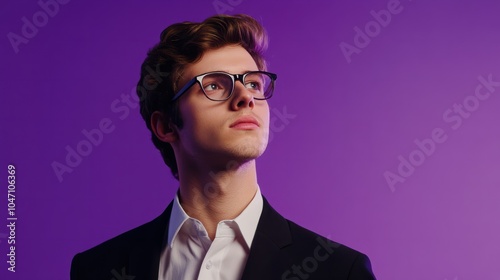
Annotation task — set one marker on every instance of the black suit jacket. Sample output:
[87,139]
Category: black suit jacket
[280,249]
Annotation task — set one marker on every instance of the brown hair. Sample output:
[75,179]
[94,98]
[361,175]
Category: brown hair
[184,43]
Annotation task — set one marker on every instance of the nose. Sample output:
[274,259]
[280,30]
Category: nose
[242,97]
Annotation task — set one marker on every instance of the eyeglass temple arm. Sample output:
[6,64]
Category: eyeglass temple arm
[184,89]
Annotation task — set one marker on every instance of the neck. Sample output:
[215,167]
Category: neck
[219,194]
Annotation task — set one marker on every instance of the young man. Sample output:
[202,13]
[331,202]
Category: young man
[203,92]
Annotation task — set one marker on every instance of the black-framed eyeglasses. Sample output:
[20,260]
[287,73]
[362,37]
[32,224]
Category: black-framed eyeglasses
[219,86]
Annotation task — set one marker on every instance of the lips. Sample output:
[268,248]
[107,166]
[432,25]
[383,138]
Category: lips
[245,122]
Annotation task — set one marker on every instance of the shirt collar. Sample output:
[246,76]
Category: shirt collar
[247,220]
[177,218]
[249,217]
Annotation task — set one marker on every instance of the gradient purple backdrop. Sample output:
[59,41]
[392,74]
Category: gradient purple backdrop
[325,165]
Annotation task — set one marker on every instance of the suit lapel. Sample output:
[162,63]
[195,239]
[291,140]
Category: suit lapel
[144,258]
[271,236]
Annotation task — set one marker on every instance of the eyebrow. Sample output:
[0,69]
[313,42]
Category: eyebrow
[244,71]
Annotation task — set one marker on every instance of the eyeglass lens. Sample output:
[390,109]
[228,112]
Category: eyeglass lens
[218,86]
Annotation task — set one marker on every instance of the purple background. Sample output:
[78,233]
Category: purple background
[323,169]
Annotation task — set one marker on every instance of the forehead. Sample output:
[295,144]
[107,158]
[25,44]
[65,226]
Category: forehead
[232,59]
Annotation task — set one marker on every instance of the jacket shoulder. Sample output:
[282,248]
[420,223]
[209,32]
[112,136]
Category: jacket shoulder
[113,257]
[317,255]
[284,250]
[304,237]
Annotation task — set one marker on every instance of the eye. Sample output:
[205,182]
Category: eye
[253,85]
[211,87]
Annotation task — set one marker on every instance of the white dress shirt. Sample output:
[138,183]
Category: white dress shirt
[189,253]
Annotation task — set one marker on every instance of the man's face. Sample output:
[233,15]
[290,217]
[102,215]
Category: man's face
[211,132]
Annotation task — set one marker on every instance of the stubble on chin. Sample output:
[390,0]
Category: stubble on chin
[250,148]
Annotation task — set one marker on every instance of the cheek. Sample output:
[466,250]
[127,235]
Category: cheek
[191,111]
[264,114]
[200,121]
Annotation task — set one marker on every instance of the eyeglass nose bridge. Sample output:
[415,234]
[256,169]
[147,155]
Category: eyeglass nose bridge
[236,77]
[239,77]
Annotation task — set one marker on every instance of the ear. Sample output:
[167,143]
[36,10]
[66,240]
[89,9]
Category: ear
[164,132]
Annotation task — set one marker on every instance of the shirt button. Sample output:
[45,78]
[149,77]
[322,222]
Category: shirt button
[209,265]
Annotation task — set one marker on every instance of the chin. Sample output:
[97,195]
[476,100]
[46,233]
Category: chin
[249,149]
[240,148]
